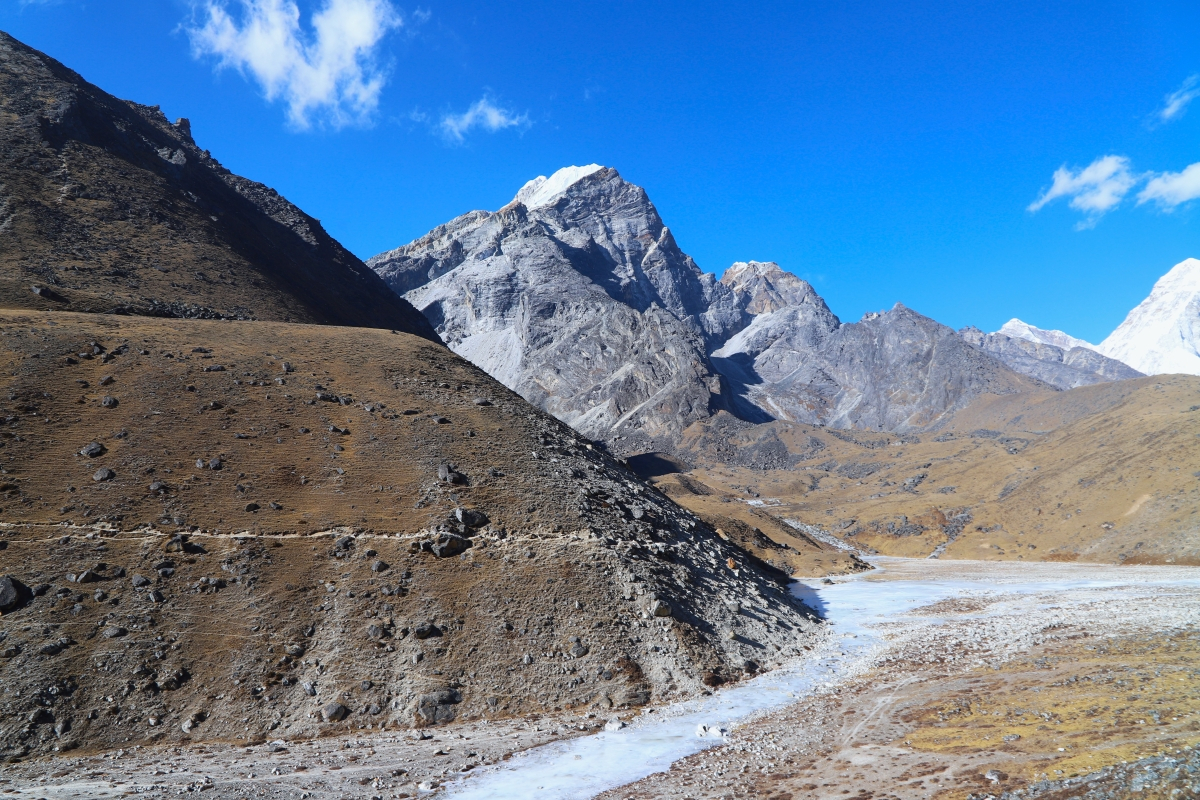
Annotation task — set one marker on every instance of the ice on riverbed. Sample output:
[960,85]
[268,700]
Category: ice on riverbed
[856,609]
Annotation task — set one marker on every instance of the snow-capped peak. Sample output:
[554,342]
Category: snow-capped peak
[1023,330]
[1162,335]
[542,191]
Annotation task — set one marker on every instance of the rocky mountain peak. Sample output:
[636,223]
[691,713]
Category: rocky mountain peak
[543,191]
[763,287]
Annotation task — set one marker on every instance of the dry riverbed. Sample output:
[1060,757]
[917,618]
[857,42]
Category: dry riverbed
[939,680]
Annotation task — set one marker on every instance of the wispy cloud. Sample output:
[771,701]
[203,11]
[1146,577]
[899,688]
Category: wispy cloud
[1176,103]
[1095,189]
[329,74]
[1171,189]
[484,114]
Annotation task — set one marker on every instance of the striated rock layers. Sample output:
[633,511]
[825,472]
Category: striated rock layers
[577,296]
[582,302]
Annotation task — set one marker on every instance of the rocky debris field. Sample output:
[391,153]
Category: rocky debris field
[285,530]
[381,763]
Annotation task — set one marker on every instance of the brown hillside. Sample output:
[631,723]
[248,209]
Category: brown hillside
[105,206]
[319,564]
[1104,473]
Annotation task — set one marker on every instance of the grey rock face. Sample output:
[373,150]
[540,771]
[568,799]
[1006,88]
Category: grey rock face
[1060,367]
[586,306]
[577,296]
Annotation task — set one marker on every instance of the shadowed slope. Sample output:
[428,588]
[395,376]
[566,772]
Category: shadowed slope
[106,206]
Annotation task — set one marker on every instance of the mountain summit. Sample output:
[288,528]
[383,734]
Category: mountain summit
[1162,334]
[577,296]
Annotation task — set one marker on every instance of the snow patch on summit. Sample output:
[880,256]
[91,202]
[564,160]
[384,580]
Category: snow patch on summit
[1023,330]
[542,191]
[1162,335]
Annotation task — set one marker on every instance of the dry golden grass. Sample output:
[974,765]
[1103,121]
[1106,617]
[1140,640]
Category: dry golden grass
[1075,707]
[1103,473]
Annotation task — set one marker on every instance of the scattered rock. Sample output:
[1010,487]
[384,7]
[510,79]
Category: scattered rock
[107,380]
[114,631]
[12,593]
[92,450]
[470,517]
[309,689]
[450,475]
[103,474]
[109,401]
[252,506]
[447,545]
[159,486]
[294,650]
[427,631]
[374,632]
[437,707]
[379,566]
[660,608]
[139,581]
[334,712]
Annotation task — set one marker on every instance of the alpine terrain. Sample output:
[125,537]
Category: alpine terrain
[223,521]
[577,296]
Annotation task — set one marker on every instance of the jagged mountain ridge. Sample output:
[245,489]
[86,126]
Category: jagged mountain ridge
[577,296]
[1063,368]
[106,206]
[1018,329]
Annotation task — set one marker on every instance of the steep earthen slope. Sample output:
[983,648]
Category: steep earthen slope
[233,529]
[105,206]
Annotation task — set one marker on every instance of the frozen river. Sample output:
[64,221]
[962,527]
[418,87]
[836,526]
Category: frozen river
[859,610]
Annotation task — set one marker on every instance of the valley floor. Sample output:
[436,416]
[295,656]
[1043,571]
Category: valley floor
[939,679]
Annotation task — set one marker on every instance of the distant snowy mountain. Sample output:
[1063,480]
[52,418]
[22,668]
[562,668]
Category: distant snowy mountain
[1162,335]
[1061,367]
[1017,329]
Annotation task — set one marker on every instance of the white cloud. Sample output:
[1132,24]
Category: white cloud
[1171,189]
[1097,188]
[483,113]
[1177,102]
[329,74]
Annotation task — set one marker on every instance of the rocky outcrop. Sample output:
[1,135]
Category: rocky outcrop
[106,206]
[1063,368]
[893,371]
[577,296]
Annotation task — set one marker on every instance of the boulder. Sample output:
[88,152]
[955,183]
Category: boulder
[471,518]
[12,593]
[448,545]
[334,712]
[436,707]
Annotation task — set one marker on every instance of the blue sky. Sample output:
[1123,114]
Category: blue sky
[884,151]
